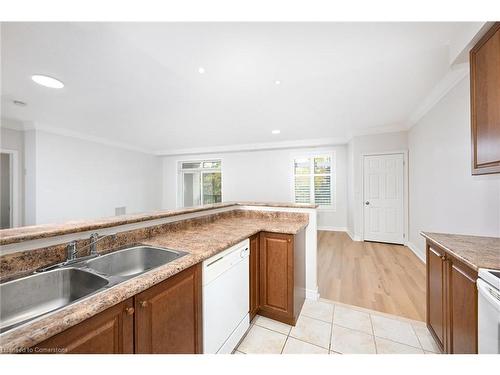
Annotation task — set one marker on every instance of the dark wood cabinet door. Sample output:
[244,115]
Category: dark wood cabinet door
[168,315]
[463,308]
[485,103]
[276,276]
[109,332]
[436,314]
[254,275]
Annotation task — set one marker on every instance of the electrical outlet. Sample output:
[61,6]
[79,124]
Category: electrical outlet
[120,211]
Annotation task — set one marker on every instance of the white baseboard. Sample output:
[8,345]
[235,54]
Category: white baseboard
[332,229]
[312,294]
[353,236]
[420,254]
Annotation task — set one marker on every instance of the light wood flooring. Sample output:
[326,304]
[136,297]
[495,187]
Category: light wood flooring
[377,276]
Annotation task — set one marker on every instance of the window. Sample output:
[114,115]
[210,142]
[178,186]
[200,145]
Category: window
[200,182]
[314,179]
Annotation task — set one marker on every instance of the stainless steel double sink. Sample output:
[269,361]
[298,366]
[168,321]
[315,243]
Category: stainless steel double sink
[30,297]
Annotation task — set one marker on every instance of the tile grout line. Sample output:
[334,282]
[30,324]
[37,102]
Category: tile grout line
[397,342]
[354,329]
[373,312]
[270,329]
[418,338]
[329,347]
[373,334]
[331,330]
[307,342]
[284,344]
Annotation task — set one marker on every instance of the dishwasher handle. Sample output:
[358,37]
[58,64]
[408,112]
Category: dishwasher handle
[489,293]
[245,252]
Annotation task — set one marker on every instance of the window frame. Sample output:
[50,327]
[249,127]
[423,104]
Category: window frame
[333,176]
[180,178]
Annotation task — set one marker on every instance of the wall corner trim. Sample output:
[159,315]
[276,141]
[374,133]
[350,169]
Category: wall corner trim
[354,237]
[450,80]
[419,253]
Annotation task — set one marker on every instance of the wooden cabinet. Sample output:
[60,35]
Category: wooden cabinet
[109,332]
[168,315]
[462,297]
[254,275]
[451,301]
[165,318]
[485,103]
[281,276]
[435,294]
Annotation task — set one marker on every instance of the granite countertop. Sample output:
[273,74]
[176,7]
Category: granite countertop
[477,252]
[201,242]
[14,235]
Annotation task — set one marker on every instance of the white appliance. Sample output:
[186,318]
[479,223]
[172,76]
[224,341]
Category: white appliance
[488,286]
[226,299]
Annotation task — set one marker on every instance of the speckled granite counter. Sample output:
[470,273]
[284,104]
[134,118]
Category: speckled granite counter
[9,236]
[201,238]
[477,252]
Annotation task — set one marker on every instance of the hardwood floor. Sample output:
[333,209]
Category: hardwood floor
[381,277]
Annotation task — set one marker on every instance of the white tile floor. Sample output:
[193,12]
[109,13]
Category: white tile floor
[328,327]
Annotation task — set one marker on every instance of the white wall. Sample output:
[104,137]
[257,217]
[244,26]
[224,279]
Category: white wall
[444,196]
[387,142]
[5,190]
[261,176]
[11,139]
[77,179]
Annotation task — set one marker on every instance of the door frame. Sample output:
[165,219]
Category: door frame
[179,178]
[14,185]
[405,191]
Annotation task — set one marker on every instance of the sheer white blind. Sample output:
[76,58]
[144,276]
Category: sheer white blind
[313,180]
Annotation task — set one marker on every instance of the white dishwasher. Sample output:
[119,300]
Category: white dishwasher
[488,286]
[226,299]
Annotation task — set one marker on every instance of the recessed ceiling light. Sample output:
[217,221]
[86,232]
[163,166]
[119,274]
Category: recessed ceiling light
[277,82]
[47,81]
[19,103]
[276,131]
[201,70]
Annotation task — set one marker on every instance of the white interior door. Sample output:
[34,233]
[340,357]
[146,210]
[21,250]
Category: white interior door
[383,194]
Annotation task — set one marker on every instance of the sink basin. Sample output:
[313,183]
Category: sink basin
[24,299]
[133,261]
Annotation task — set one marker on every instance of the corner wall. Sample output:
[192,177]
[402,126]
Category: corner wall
[73,179]
[444,196]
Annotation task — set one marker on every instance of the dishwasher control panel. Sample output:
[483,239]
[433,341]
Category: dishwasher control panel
[218,264]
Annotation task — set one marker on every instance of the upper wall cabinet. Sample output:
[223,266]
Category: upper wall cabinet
[485,102]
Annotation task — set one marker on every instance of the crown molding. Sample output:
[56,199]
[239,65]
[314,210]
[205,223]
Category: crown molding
[264,146]
[401,127]
[90,138]
[317,142]
[28,125]
[8,123]
[443,87]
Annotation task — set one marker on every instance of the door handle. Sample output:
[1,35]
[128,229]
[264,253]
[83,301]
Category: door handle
[367,203]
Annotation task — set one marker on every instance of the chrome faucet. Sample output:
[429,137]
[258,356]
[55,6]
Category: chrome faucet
[71,252]
[94,237]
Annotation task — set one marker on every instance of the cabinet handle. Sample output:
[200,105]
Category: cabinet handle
[289,240]
[130,310]
[143,303]
[443,257]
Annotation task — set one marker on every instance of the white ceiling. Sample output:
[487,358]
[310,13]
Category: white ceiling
[138,83]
